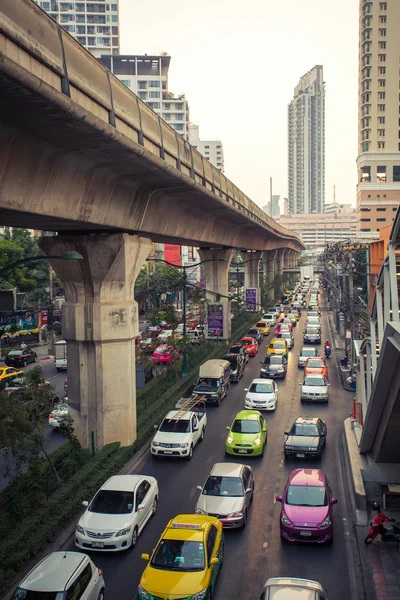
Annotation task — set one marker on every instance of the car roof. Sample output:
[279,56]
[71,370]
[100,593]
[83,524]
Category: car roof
[123,483]
[53,572]
[308,420]
[192,527]
[261,380]
[248,415]
[226,469]
[310,477]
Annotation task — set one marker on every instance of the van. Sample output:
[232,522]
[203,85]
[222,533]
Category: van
[60,355]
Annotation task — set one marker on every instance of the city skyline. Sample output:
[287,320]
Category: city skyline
[232,56]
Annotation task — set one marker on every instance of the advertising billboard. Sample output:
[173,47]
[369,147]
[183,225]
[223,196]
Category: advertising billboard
[215,320]
[251,299]
[172,254]
[192,273]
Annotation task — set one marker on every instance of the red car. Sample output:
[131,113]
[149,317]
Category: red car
[164,354]
[316,366]
[250,344]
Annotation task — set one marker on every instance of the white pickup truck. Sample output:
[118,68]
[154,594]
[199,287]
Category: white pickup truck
[181,429]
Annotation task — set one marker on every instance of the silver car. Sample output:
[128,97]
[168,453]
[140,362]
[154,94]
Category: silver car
[314,389]
[227,494]
[306,352]
[292,588]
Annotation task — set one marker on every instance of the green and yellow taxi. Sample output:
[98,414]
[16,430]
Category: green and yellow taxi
[247,434]
[278,346]
[186,561]
[263,326]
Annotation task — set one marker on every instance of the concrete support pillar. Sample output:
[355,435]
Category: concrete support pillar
[100,322]
[268,258]
[280,258]
[251,262]
[216,263]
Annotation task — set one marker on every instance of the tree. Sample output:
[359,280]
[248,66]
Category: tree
[22,418]
[150,287]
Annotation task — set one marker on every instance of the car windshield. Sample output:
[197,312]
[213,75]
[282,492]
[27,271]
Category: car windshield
[304,429]
[285,335]
[207,381]
[274,360]
[261,388]
[234,350]
[305,495]
[314,381]
[277,345]
[268,317]
[21,594]
[223,486]
[174,426]
[179,555]
[253,332]
[307,352]
[162,349]
[246,342]
[112,502]
[15,352]
[315,364]
[312,330]
[246,426]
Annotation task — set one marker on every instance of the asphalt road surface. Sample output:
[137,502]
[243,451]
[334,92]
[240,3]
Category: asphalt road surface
[257,552]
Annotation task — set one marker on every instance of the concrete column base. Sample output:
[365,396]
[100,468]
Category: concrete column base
[100,322]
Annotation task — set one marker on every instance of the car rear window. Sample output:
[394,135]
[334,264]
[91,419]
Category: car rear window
[261,324]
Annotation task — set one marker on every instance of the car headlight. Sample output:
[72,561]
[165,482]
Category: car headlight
[257,442]
[280,370]
[80,529]
[313,449]
[199,511]
[233,372]
[235,515]
[123,531]
[183,445]
[230,439]
[143,592]
[263,370]
[156,444]
[200,595]
[285,520]
[288,447]
[326,522]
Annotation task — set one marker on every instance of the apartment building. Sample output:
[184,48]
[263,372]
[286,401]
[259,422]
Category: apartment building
[95,24]
[212,150]
[378,162]
[306,144]
[318,229]
[147,76]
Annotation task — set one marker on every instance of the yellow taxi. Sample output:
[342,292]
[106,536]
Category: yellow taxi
[278,346]
[186,561]
[264,327]
[9,373]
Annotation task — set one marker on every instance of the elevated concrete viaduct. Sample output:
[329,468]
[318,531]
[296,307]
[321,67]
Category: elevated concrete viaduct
[82,156]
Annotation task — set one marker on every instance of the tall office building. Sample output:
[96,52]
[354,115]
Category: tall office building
[378,161]
[272,208]
[212,150]
[94,24]
[306,144]
[147,77]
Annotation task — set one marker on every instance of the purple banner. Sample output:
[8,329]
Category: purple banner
[215,314]
[251,299]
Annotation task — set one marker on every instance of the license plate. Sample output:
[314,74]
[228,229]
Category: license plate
[305,533]
[242,451]
[300,455]
[98,545]
[167,451]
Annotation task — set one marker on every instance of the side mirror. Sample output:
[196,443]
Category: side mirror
[200,488]
[286,433]
[85,503]
[155,427]
[214,561]
[247,389]
[141,506]
[334,501]
[279,498]
[145,557]
[248,491]
[228,428]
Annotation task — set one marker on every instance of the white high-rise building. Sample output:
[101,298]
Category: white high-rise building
[94,24]
[306,144]
[147,77]
[212,150]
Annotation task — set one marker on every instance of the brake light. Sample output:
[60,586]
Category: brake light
[100,572]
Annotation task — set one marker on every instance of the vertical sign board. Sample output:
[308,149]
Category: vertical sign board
[192,274]
[219,321]
[43,317]
[251,299]
[172,254]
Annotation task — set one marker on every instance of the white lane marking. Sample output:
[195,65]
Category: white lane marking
[223,435]
[210,459]
[265,545]
[274,501]
[281,464]
[193,492]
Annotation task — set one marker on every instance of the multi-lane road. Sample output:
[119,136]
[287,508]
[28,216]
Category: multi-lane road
[255,553]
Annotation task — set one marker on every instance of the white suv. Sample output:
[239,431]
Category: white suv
[62,575]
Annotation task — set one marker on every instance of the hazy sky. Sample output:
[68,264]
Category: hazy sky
[238,63]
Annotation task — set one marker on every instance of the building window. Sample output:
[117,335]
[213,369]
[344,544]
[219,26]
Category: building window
[384,195]
[381,107]
[67,18]
[365,220]
[365,176]
[365,229]
[81,30]
[369,196]
[381,209]
[179,106]
[154,84]
[126,82]
[381,145]
[179,127]
[143,95]
[381,132]
[396,173]
[153,105]
[382,5]
[382,19]
[382,32]
[382,45]
[381,220]
[382,95]
[382,82]
[66,6]
[179,116]
[154,94]
[382,57]
[81,40]
[366,209]
[381,174]
[167,116]
[381,120]
[382,70]
[365,147]
[142,85]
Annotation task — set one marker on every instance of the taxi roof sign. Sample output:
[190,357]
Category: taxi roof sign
[186,526]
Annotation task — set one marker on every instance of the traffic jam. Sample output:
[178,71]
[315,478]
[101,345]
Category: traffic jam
[186,561]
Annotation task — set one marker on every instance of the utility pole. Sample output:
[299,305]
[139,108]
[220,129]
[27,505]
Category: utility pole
[50,316]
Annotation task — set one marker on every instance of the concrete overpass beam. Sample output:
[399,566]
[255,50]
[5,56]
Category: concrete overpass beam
[100,322]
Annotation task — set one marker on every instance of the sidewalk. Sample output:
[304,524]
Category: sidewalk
[379,561]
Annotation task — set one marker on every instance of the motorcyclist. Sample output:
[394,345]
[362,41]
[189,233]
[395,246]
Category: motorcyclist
[327,348]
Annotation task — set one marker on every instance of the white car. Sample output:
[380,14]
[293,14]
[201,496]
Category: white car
[165,335]
[115,517]
[315,389]
[59,414]
[179,329]
[270,318]
[180,431]
[61,575]
[261,395]
[292,588]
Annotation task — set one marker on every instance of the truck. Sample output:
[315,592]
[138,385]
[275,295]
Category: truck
[214,380]
[306,272]
[181,429]
[60,355]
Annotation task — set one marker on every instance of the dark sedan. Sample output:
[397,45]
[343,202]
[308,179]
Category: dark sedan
[255,333]
[312,335]
[20,357]
[307,438]
[274,366]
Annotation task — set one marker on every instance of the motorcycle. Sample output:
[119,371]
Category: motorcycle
[328,351]
[388,534]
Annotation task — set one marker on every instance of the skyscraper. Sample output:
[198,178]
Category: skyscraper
[306,144]
[212,150]
[94,24]
[378,161]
